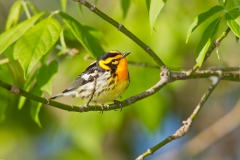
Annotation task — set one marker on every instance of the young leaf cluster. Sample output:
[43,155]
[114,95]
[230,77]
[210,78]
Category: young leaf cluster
[228,12]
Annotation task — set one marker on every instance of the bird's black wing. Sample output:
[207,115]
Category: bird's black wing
[79,81]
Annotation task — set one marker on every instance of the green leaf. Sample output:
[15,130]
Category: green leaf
[221,2]
[35,109]
[206,41]
[125,6]
[27,87]
[155,8]
[16,70]
[14,14]
[148,4]
[5,96]
[36,106]
[83,35]
[21,102]
[32,7]
[236,3]
[10,36]
[4,100]
[45,76]
[237,39]
[229,4]
[64,5]
[201,18]
[96,33]
[233,21]
[35,43]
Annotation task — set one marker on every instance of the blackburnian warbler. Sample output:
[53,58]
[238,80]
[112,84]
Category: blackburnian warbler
[103,81]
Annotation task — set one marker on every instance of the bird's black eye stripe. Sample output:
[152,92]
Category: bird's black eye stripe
[115,60]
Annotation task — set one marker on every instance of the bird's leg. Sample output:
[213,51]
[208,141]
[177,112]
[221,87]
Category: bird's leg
[86,106]
[102,106]
[81,108]
[116,102]
[95,76]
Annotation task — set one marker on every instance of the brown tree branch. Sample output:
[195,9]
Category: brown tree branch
[186,124]
[165,78]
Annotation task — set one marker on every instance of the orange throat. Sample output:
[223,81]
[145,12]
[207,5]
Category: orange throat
[122,70]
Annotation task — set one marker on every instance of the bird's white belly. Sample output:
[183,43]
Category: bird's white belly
[103,93]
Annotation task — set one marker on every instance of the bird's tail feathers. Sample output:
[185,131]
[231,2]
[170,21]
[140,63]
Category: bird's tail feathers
[70,93]
[57,96]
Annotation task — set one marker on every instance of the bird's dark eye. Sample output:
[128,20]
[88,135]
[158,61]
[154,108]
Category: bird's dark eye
[115,61]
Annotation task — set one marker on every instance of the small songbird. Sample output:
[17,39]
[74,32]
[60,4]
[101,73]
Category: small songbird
[103,81]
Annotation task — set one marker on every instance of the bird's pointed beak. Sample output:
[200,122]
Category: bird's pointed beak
[126,54]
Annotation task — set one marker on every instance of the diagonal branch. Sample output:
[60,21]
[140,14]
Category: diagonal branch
[124,30]
[219,129]
[186,124]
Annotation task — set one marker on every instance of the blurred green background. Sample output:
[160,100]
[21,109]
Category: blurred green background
[116,135]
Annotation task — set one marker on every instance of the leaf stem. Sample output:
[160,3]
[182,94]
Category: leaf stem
[26,9]
[211,49]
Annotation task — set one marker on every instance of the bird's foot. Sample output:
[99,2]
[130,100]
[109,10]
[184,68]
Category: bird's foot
[116,102]
[84,108]
[103,106]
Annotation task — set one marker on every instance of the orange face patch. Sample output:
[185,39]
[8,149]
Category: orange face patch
[122,70]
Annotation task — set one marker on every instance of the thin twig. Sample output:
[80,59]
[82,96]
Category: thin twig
[228,76]
[221,68]
[186,124]
[142,64]
[124,30]
[24,4]
[211,49]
